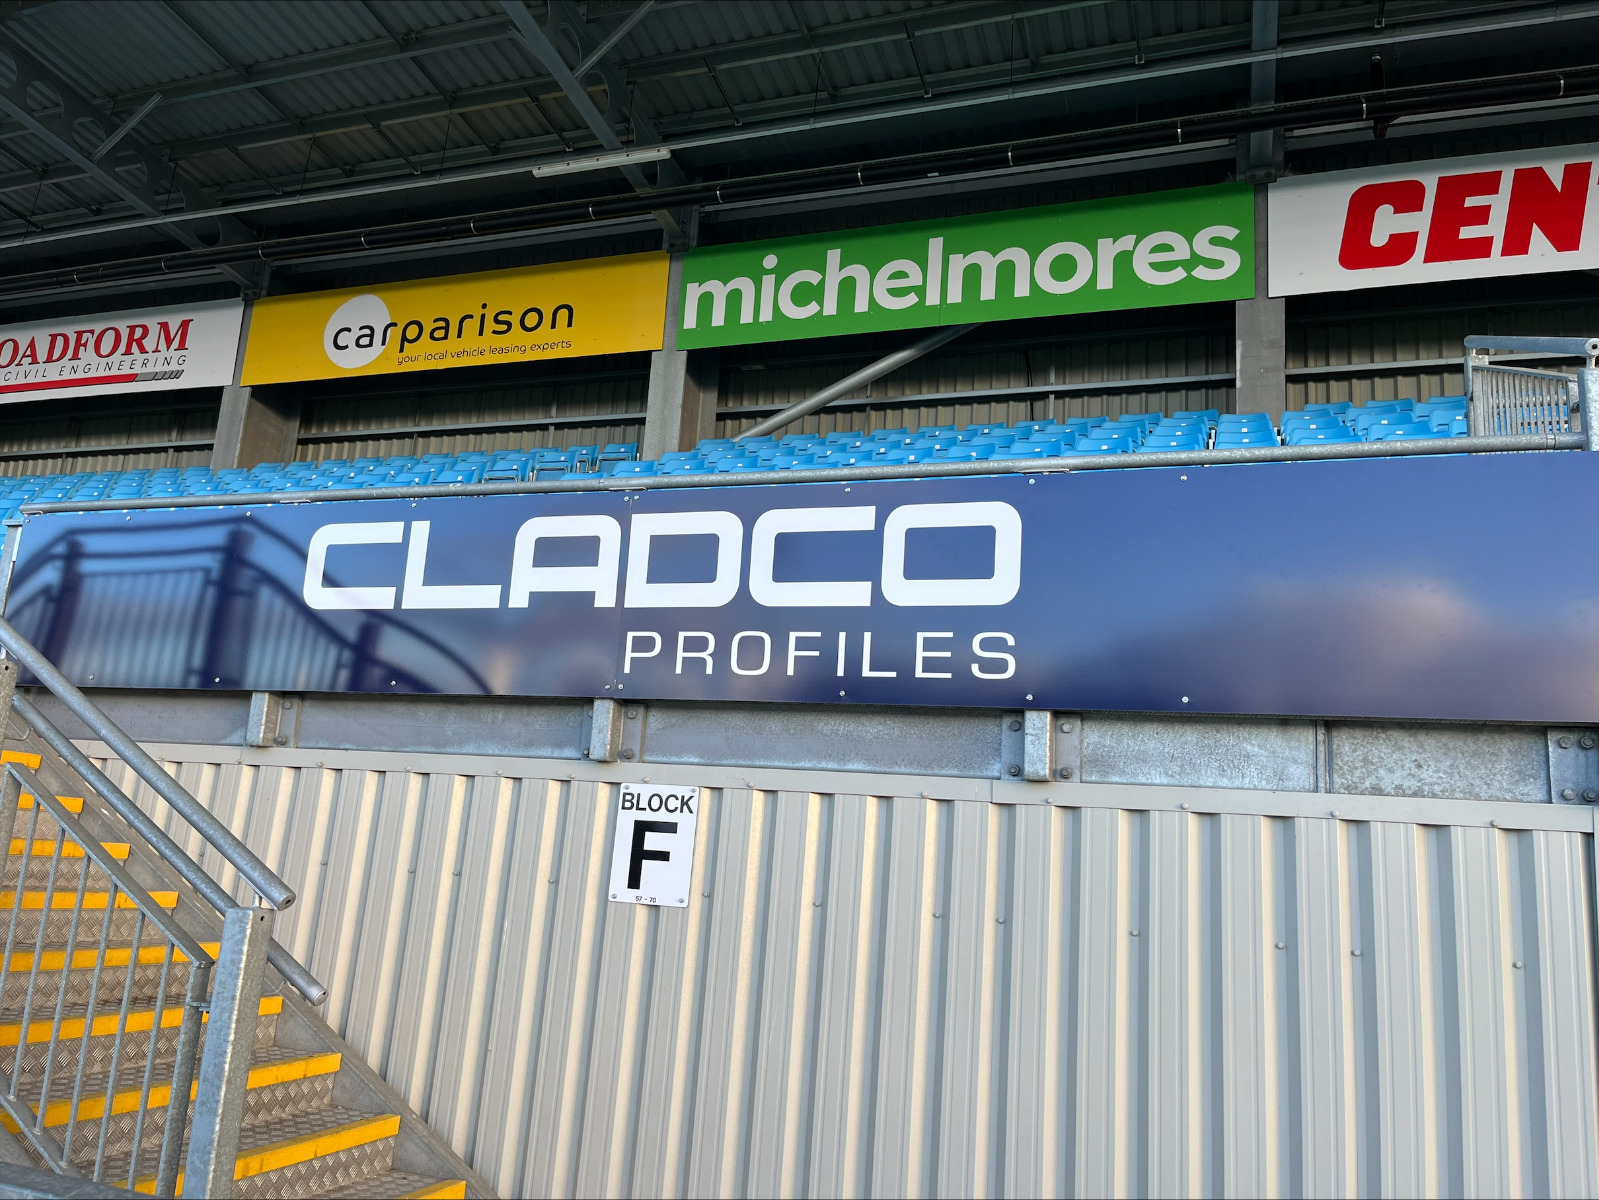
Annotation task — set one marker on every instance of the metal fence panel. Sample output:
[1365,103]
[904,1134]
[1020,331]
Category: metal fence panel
[889,986]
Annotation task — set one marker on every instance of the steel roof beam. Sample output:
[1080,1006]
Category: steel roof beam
[619,97]
[59,132]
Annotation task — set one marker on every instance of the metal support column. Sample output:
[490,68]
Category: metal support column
[229,1043]
[1261,335]
[680,403]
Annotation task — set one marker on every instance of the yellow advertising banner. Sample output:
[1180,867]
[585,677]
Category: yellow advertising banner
[526,314]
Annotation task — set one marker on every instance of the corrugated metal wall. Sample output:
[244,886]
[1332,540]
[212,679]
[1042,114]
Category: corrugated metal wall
[493,411]
[158,429]
[1072,352]
[874,992]
[1329,345]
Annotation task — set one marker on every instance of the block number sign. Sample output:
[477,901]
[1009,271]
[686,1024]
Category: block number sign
[653,861]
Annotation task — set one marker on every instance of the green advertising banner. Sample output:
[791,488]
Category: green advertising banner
[1178,247]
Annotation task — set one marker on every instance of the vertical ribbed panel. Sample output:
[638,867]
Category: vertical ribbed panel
[890,995]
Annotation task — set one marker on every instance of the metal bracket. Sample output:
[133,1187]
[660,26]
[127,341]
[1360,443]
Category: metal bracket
[1038,746]
[1068,735]
[266,715]
[605,731]
[1573,766]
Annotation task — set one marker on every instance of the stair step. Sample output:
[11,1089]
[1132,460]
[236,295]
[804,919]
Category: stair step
[25,758]
[92,1105]
[73,804]
[143,1040]
[68,900]
[46,848]
[404,1186]
[319,1143]
[140,1020]
[55,958]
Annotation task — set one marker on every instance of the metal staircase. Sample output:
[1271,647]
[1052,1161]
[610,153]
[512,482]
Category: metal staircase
[129,978]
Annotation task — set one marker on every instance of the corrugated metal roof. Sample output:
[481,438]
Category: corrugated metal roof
[262,78]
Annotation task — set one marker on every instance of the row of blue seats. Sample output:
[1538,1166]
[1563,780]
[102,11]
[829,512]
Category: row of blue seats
[1198,429]
[1145,433]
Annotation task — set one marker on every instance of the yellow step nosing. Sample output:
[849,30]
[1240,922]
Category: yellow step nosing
[31,761]
[443,1189]
[73,804]
[105,1025]
[307,1146]
[66,900]
[127,1100]
[46,848]
[116,956]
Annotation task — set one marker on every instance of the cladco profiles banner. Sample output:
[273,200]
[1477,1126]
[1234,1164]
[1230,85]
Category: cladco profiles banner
[979,591]
[525,314]
[1176,247]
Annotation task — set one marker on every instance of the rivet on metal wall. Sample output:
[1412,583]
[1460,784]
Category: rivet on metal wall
[632,714]
[1065,772]
[1588,741]
[1568,794]
[1015,726]
[1065,726]
[1517,964]
[628,755]
[1590,795]
[1015,770]
[1356,953]
[1565,741]
[1280,946]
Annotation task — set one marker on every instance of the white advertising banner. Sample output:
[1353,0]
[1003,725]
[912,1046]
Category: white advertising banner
[1465,218]
[185,346]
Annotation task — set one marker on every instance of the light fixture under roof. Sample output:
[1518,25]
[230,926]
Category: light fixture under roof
[579,164]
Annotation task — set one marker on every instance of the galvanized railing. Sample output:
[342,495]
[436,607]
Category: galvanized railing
[115,993]
[64,940]
[1505,400]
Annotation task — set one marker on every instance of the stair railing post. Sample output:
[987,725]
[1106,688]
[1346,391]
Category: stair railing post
[166,1176]
[229,1044]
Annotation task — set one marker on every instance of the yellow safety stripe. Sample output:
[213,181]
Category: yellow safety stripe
[116,956]
[304,1148]
[127,1100]
[444,1189]
[73,804]
[105,1025]
[46,848]
[68,900]
[31,761]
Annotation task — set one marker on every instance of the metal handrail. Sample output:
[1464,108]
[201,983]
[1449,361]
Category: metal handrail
[35,1117]
[292,970]
[1480,348]
[267,884]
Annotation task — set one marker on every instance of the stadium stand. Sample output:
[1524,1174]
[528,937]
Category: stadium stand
[1440,416]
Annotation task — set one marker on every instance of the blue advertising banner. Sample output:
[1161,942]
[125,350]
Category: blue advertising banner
[1411,588]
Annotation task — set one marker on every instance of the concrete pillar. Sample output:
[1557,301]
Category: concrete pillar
[1260,329]
[680,403]
[257,425]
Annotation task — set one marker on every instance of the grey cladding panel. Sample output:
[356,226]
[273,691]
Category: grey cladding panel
[919,741]
[1470,763]
[1277,755]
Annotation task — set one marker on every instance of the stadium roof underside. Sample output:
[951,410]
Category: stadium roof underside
[195,142]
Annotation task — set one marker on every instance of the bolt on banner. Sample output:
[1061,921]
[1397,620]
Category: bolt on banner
[185,346]
[1177,247]
[1463,218]
[525,314]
